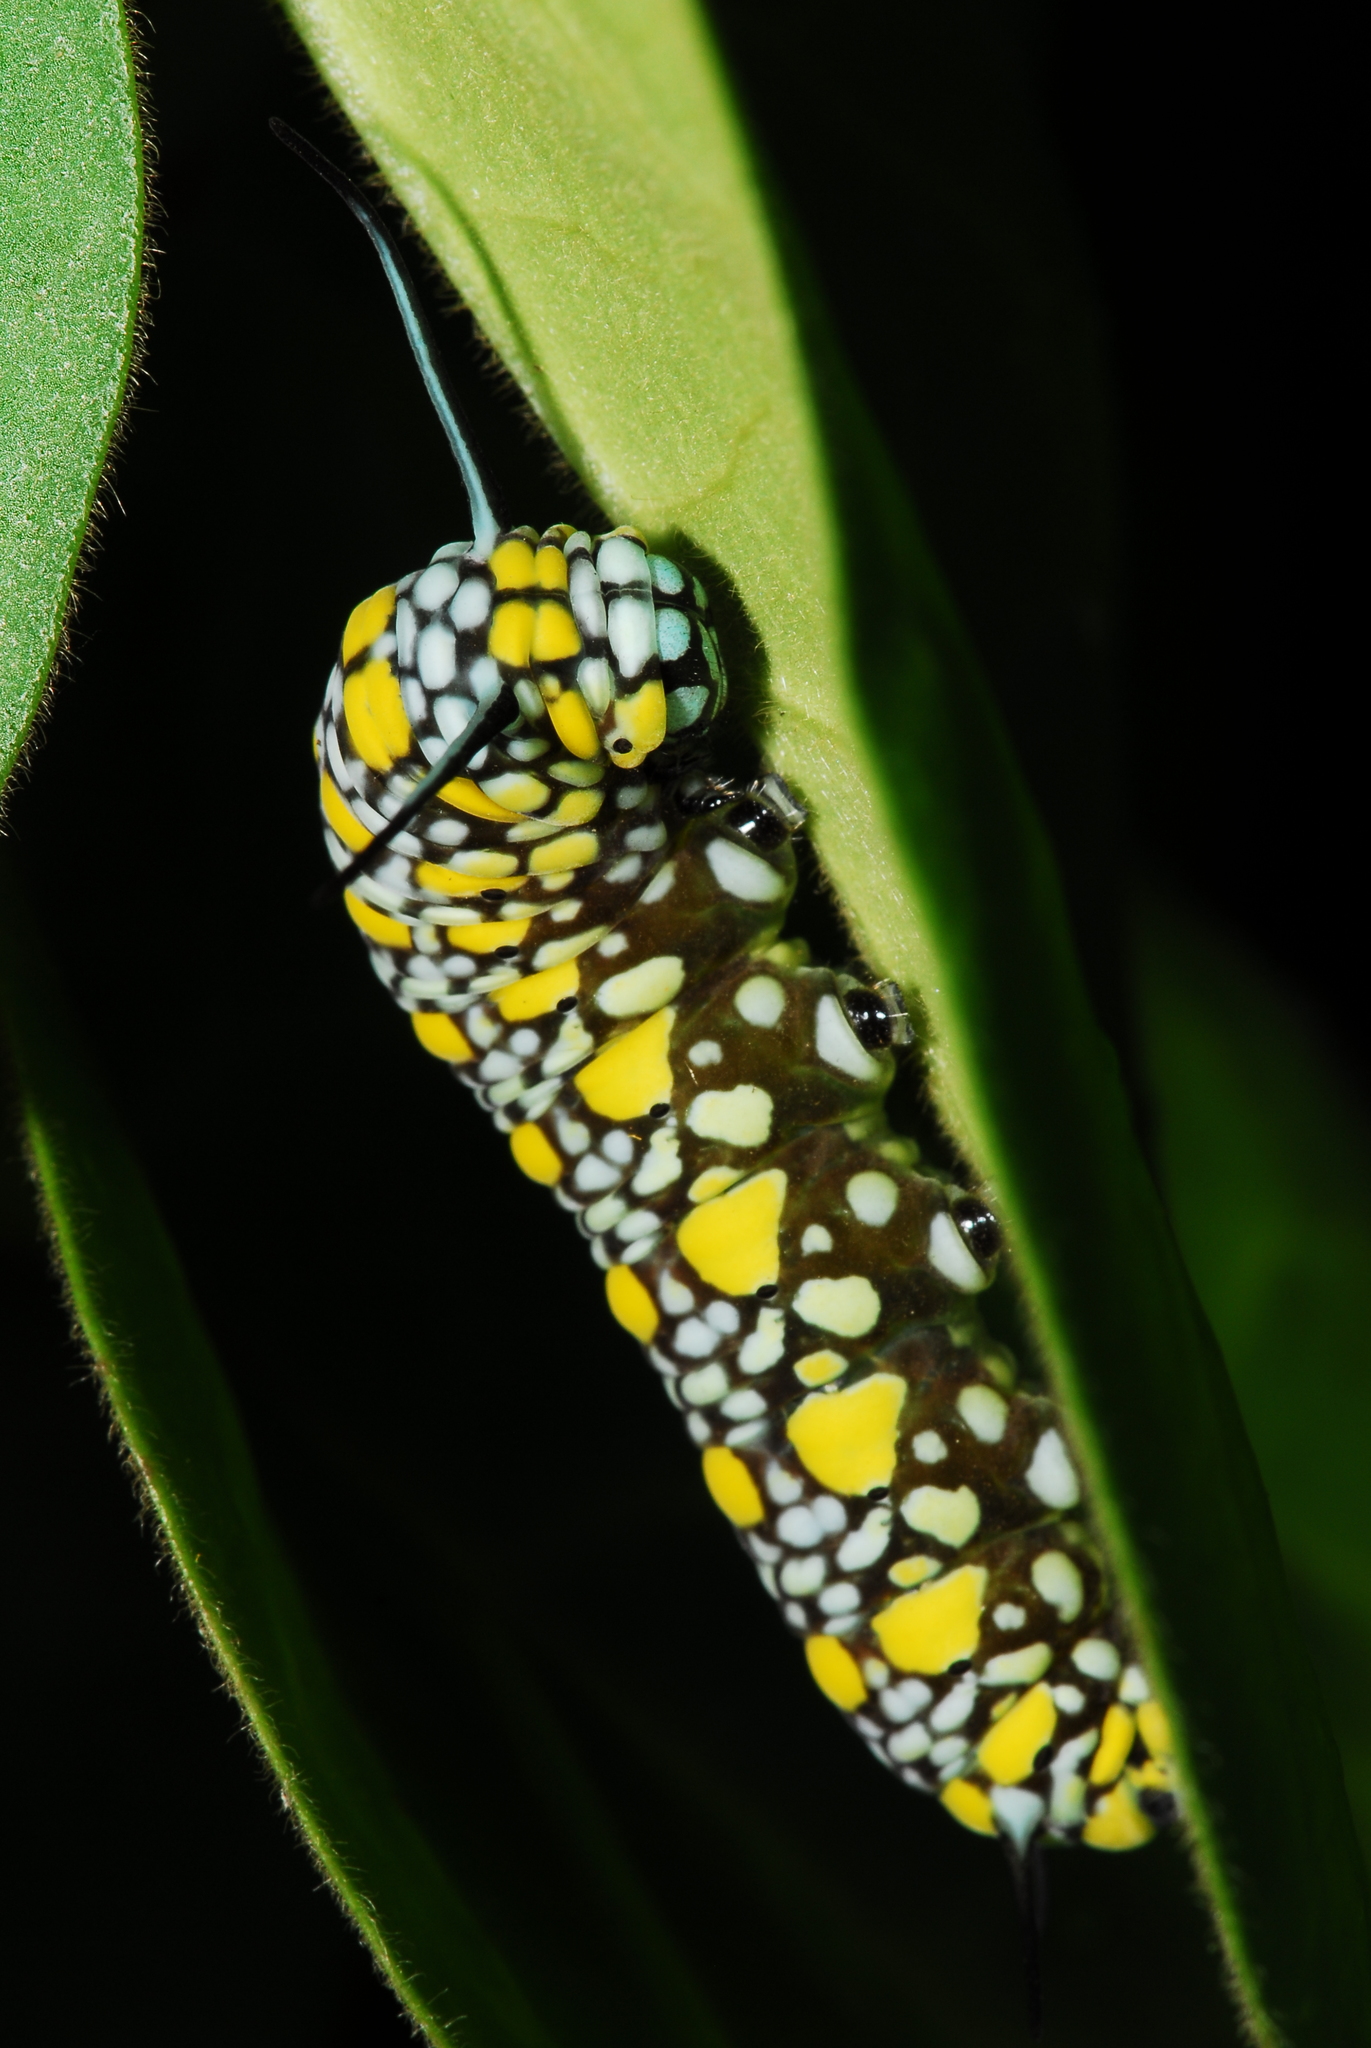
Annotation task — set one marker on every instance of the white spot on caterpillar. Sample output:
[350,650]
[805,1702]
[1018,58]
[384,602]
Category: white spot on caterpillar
[1051,1475]
[744,1405]
[1133,1687]
[816,1239]
[954,1708]
[783,1486]
[950,1515]
[872,1198]
[848,1307]
[645,987]
[661,1166]
[437,665]
[804,1575]
[984,1412]
[632,631]
[706,1052]
[471,606]
[910,1743]
[660,884]
[838,1045]
[798,1527]
[1097,1658]
[928,1447]
[865,1545]
[766,1345]
[706,1386]
[1009,1615]
[1058,1581]
[593,1175]
[1018,1667]
[431,591]
[902,1702]
[732,1116]
[742,874]
[760,1001]
[694,1338]
[948,1253]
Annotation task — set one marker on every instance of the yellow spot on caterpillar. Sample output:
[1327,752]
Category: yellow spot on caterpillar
[849,1306]
[633,1074]
[463,795]
[732,1486]
[430,876]
[368,621]
[555,637]
[552,573]
[1118,1822]
[387,931]
[631,1305]
[1155,1729]
[536,994]
[1007,1753]
[912,1571]
[834,1671]
[712,1182]
[573,724]
[951,1514]
[579,806]
[484,861]
[733,1241]
[440,1036]
[511,564]
[817,1368]
[572,850]
[928,1630]
[518,791]
[642,988]
[534,1155]
[1116,1739]
[969,1804]
[375,715]
[485,938]
[731,1116]
[350,830]
[511,634]
[641,719]
[847,1440]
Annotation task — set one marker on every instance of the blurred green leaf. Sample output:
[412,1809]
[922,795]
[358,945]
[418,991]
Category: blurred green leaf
[1264,1152]
[186,1449]
[71,238]
[579,174]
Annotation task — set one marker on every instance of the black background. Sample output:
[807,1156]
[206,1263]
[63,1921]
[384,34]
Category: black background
[997,199]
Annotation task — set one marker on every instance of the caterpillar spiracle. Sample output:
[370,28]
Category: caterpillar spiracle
[584,921]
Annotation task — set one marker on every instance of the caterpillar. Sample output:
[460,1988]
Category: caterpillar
[584,920]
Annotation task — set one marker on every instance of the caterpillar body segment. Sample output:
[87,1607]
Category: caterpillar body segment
[585,924]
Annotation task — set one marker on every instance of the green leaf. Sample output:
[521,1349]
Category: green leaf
[1265,1156]
[580,176]
[71,237]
